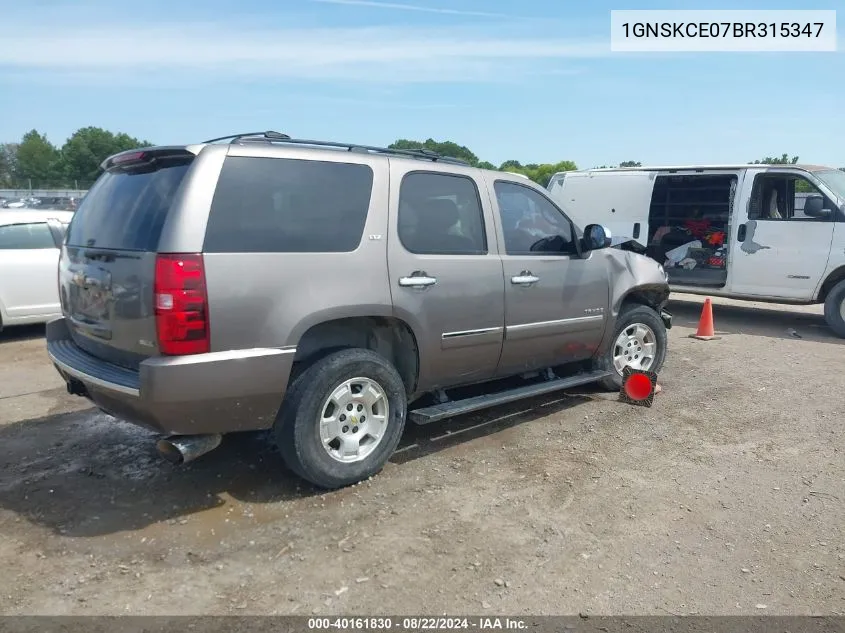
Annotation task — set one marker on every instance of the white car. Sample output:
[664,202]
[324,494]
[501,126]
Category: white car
[29,258]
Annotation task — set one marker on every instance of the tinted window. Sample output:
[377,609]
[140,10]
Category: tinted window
[280,205]
[532,225]
[26,236]
[126,210]
[441,214]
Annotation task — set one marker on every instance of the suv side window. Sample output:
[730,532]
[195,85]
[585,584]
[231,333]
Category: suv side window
[532,225]
[440,214]
[283,205]
[780,197]
[31,236]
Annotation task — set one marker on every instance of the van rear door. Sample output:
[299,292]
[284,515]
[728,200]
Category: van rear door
[108,261]
[618,200]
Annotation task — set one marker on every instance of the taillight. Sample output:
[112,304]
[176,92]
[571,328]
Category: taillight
[181,305]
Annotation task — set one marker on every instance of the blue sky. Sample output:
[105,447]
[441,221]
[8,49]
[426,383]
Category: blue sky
[534,81]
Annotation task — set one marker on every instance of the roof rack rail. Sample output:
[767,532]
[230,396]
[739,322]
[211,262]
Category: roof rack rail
[278,137]
[269,135]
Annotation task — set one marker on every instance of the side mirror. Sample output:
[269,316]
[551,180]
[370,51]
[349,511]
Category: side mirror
[814,207]
[595,237]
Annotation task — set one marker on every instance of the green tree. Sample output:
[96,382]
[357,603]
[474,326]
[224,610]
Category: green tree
[444,148]
[801,186]
[8,164]
[770,160]
[89,146]
[541,173]
[624,163]
[38,160]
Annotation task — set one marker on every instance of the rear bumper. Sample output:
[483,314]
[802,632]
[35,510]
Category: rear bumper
[220,392]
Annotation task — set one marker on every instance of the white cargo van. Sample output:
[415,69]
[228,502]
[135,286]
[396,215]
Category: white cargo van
[760,232]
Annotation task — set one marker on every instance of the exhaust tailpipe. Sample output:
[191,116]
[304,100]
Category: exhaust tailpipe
[181,449]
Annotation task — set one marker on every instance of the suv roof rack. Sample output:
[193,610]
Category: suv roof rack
[234,138]
[277,137]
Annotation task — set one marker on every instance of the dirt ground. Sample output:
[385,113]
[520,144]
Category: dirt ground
[726,497]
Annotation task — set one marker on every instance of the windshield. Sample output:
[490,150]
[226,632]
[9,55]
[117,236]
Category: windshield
[834,179]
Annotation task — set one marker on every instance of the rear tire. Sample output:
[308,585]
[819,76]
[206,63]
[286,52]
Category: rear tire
[631,316]
[331,399]
[834,309]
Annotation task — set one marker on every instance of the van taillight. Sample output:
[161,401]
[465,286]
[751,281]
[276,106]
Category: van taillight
[181,304]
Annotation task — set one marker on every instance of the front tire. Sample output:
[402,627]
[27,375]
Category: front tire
[834,309]
[342,418]
[639,340]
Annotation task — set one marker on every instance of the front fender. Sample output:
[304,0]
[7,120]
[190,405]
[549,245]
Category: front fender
[638,278]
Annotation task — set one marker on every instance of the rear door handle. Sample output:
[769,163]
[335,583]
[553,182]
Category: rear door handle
[740,234]
[417,281]
[525,278]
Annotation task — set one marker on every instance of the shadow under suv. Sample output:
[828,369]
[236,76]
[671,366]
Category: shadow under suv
[332,291]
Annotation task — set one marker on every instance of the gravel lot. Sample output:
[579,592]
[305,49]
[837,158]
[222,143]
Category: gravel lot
[726,497]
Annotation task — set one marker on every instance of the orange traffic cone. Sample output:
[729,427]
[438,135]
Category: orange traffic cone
[706,331]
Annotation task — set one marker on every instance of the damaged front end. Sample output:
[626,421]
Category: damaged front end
[634,273]
[628,244]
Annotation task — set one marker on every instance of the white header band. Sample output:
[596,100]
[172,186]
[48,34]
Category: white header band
[704,31]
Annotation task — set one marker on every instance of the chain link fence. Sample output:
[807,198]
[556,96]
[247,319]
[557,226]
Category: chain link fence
[49,196]
[31,184]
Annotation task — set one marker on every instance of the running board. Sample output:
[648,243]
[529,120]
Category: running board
[438,412]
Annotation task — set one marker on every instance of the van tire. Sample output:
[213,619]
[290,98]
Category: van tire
[297,428]
[833,309]
[630,314]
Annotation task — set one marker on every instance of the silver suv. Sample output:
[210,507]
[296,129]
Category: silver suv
[329,292]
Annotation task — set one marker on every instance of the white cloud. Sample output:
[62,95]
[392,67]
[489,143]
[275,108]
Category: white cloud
[371,54]
[413,7]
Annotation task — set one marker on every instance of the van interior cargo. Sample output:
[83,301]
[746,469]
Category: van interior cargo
[688,226]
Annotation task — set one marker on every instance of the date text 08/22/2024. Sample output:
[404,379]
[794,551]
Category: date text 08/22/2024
[414,623]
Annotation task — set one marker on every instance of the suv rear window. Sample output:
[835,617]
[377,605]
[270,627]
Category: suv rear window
[283,205]
[126,210]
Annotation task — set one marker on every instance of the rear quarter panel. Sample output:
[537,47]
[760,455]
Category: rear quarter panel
[271,299]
